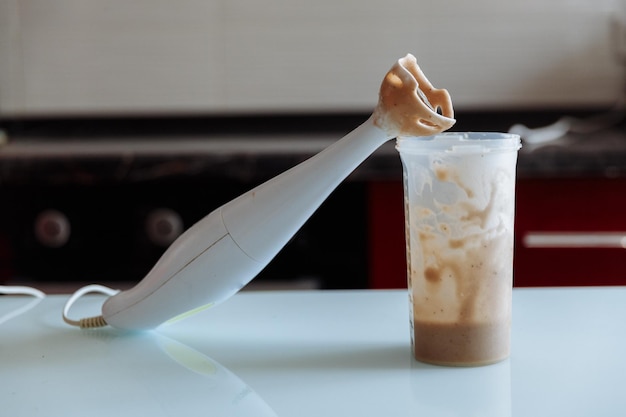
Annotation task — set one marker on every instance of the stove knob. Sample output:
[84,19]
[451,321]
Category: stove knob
[163,226]
[52,228]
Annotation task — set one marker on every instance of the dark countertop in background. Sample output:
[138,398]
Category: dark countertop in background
[256,148]
[598,154]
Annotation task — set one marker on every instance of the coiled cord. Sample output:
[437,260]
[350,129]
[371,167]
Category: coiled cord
[87,322]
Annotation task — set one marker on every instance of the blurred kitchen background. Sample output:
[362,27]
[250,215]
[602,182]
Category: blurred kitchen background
[124,122]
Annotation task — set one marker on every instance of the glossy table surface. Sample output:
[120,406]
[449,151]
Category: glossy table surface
[312,353]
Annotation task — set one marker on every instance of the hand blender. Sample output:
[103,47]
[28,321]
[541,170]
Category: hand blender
[225,250]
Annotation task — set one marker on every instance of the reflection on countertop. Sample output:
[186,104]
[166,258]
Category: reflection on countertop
[117,373]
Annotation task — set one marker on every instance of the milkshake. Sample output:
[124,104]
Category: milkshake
[459,211]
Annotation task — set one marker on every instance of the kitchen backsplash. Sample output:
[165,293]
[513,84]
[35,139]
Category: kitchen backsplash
[68,57]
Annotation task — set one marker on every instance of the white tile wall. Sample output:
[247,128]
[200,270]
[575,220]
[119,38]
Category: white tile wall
[116,56]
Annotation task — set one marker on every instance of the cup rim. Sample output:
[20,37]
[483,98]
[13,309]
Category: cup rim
[461,142]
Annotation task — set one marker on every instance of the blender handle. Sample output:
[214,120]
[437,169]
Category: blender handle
[225,250]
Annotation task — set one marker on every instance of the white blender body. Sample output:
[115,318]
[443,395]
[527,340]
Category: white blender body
[221,253]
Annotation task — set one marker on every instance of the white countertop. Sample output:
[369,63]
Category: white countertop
[313,353]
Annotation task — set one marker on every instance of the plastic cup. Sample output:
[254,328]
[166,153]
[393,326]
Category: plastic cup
[459,193]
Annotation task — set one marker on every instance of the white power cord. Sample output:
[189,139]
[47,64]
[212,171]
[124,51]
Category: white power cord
[84,323]
[88,322]
[20,290]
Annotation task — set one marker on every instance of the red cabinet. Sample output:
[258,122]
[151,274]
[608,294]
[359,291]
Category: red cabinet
[387,256]
[568,232]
